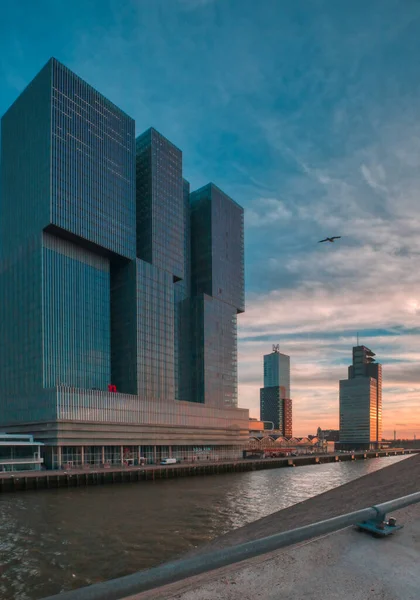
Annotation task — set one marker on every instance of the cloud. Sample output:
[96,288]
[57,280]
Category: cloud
[308,134]
[374,179]
[316,373]
[267,211]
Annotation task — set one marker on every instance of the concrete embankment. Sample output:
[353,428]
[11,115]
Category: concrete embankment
[298,570]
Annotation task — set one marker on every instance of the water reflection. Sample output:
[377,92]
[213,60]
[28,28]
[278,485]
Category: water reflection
[55,540]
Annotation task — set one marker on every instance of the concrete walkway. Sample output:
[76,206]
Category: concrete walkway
[347,565]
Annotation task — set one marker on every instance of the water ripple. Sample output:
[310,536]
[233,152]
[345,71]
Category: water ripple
[59,540]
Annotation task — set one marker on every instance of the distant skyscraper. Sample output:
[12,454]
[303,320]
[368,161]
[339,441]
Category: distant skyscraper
[277,370]
[361,402]
[275,402]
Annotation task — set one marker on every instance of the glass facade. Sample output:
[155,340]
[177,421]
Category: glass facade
[358,410]
[123,327]
[24,211]
[21,320]
[155,332]
[215,375]
[76,316]
[25,167]
[277,371]
[112,274]
[217,239]
[271,406]
[201,244]
[182,321]
[59,142]
[160,203]
[39,405]
[275,401]
[361,401]
[93,162]
[73,457]
[217,288]
[276,409]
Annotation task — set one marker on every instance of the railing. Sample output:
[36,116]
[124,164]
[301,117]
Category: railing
[171,572]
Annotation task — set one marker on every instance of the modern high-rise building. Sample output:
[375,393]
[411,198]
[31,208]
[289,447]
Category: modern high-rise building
[119,290]
[275,401]
[277,370]
[217,268]
[361,402]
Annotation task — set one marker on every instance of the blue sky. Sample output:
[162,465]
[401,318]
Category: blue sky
[308,114]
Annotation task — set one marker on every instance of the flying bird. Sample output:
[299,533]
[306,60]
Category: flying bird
[331,239]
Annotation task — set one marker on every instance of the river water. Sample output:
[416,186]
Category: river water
[61,539]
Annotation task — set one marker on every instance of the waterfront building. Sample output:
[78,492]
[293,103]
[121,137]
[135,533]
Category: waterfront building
[275,402]
[361,402]
[119,290]
[328,435]
[20,453]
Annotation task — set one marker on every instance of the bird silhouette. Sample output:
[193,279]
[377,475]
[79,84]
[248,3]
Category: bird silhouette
[330,239]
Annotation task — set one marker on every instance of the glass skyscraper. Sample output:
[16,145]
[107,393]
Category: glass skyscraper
[119,289]
[275,401]
[277,371]
[217,279]
[361,402]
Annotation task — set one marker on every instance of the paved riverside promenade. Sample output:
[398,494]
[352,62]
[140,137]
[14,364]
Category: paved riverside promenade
[347,565]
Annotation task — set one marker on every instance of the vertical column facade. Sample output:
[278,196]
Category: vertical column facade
[217,282]
[68,211]
[155,332]
[162,265]
[111,272]
[182,319]
[24,212]
[361,401]
[160,203]
[76,316]
[93,165]
[275,401]
[277,371]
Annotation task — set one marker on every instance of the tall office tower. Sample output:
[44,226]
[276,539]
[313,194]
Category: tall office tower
[361,402]
[277,370]
[95,286]
[275,402]
[217,281]
[67,213]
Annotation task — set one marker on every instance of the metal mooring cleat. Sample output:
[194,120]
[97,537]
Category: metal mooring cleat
[380,526]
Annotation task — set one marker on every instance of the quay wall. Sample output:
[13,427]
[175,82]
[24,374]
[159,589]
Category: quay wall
[35,480]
